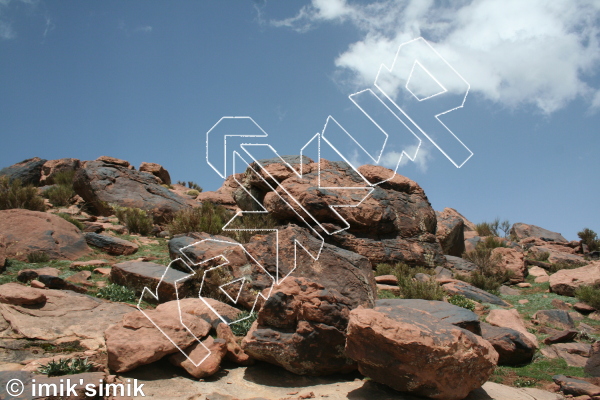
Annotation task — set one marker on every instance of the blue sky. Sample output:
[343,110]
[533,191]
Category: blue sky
[145,81]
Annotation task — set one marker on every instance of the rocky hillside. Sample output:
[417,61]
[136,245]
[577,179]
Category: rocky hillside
[113,274]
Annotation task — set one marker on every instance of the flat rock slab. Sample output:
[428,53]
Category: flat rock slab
[65,314]
[473,293]
[522,231]
[110,244]
[137,275]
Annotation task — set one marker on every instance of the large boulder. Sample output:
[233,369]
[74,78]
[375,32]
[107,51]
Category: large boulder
[302,328]
[224,194]
[566,281]
[28,171]
[158,171]
[513,347]
[450,232]
[210,352]
[413,351]
[210,310]
[34,231]
[53,167]
[512,260]
[512,320]
[522,231]
[16,294]
[395,223]
[106,181]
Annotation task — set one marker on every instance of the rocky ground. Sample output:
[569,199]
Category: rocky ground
[342,325]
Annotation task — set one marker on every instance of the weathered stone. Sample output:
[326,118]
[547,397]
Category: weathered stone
[110,244]
[27,171]
[2,253]
[561,305]
[80,277]
[513,347]
[136,341]
[576,387]
[33,231]
[513,261]
[223,195]
[442,273]
[234,351]
[27,275]
[523,231]
[54,282]
[512,320]
[566,281]
[583,308]
[387,279]
[473,293]
[537,271]
[592,365]
[211,351]
[137,275]
[391,288]
[460,265]
[204,308]
[567,335]
[157,170]
[302,328]
[103,182]
[508,291]
[412,351]
[78,265]
[53,167]
[450,232]
[16,294]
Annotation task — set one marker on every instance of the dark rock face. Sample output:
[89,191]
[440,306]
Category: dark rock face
[103,182]
[512,346]
[395,223]
[473,293]
[445,312]
[53,167]
[522,231]
[112,245]
[28,231]
[450,232]
[412,351]
[460,264]
[554,318]
[28,171]
[158,171]
[576,387]
[302,328]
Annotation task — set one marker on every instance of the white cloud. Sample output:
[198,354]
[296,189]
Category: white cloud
[143,29]
[6,31]
[512,52]
[422,158]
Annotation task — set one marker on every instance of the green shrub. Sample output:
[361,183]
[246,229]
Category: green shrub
[193,192]
[488,276]
[66,366]
[505,227]
[411,288]
[383,269]
[194,185]
[589,294]
[491,243]
[241,328]
[461,301]
[59,195]
[488,228]
[136,220]
[114,292]
[64,178]
[541,256]
[386,294]
[15,195]
[72,220]
[37,257]
[250,221]
[589,238]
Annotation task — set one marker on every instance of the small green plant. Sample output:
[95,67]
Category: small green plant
[488,228]
[193,192]
[491,243]
[522,382]
[488,276]
[589,294]
[194,185]
[241,328]
[541,256]
[461,301]
[410,288]
[66,366]
[386,294]
[72,220]
[15,195]
[62,192]
[37,257]
[135,219]
[118,293]
[589,238]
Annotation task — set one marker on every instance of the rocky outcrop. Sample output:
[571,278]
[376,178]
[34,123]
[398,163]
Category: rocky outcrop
[513,347]
[513,261]
[28,171]
[522,231]
[110,181]
[450,232]
[302,328]
[566,281]
[158,171]
[224,194]
[412,351]
[33,231]
[53,167]
[110,244]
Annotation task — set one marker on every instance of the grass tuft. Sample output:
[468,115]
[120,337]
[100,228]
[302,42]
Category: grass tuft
[135,219]
[15,195]
[118,293]
[37,257]
[66,366]
[241,328]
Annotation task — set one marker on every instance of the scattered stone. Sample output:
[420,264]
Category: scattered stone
[16,294]
[27,275]
[2,253]
[575,354]
[28,171]
[391,288]
[542,279]
[135,340]
[442,273]
[561,305]
[508,291]
[78,265]
[449,232]
[576,316]
[583,308]
[102,271]
[522,231]
[512,260]
[510,319]
[54,282]
[461,265]
[138,275]
[210,352]
[554,318]
[33,231]
[387,280]
[567,335]
[223,195]
[524,285]
[523,301]
[412,351]
[473,293]
[576,387]
[80,277]
[37,284]
[513,347]
[111,245]
[537,271]
[302,328]
[595,316]
[566,281]
[158,171]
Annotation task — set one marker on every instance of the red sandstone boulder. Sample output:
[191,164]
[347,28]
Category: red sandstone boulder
[158,171]
[209,355]
[566,281]
[53,167]
[450,232]
[224,194]
[522,231]
[512,260]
